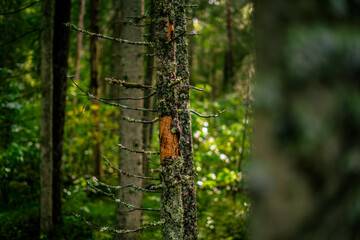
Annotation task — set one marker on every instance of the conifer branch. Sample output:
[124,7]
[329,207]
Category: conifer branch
[72,26]
[137,151]
[118,231]
[128,84]
[126,173]
[140,121]
[207,116]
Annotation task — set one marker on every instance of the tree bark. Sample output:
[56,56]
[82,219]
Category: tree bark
[46,133]
[130,135]
[95,86]
[185,142]
[60,66]
[169,129]
[306,173]
[150,79]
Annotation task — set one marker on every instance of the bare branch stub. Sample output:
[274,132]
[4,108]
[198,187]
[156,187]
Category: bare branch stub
[19,10]
[72,26]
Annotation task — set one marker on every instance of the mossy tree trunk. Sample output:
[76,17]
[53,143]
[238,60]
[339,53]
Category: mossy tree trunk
[185,141]
[130,135]
[306,174]
[46,133]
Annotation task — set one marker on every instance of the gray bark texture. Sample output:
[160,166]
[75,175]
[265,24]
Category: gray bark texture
[150,79]
[185,142]
[130,134]
[46,136]
[305,178]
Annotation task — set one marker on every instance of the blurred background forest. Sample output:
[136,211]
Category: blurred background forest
[221,57]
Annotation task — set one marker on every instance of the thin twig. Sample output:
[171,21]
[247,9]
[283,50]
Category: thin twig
[72,26]
[175,38]
[129,84]
[111,103]
[137,151]
[118,200]
[18,37]
[118,187]
[140,121]
[126,173]
[192,6]
[197,89]
[130,98]
[117,231]
[207,116]
[20,9]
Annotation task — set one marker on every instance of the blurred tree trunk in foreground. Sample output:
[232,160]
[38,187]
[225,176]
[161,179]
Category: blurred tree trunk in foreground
[95,86]
[46,136]
[130,134]
[60,65]
[306,177]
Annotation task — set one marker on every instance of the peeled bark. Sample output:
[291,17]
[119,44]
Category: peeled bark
[185,142]
[130,134]
[46,133]
[60,65]
[95,86]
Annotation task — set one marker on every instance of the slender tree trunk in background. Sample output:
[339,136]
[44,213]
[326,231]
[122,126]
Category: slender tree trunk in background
[95,86]
[184,118]
[46,135]
[79,39]
[213,82]
[116,73]
[229,55]
[305,177]
[169,129]
[60,65]
[150,78]
[131,69]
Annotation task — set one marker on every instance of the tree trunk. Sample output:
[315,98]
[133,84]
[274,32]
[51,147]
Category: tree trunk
[46,135]
[79,39]
[306,175]
[169,129]
[150,78]
[185,143]
[229,55]
[95,86]
[60,65]
[131,69]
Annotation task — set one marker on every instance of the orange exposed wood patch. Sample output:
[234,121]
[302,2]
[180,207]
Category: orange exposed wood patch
[168,140]
[171,28]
